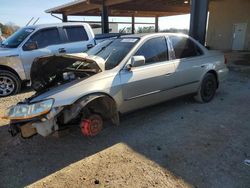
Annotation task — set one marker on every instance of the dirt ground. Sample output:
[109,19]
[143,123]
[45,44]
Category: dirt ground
[179,143]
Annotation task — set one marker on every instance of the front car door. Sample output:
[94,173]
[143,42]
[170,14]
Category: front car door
[48,43]
[145,85]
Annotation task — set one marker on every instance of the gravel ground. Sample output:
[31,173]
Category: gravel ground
[179,143]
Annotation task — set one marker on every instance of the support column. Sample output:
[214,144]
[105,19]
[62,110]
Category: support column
[133,24]
[156,24]
[64,18]
[198,21]
[105,18]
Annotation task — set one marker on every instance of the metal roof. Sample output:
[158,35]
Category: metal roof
[138,8]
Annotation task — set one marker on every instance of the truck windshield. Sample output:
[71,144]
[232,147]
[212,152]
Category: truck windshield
[113,50]
[17,38]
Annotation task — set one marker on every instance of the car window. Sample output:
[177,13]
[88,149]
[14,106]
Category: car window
[46,37]
[184,47]
[76,33]
[154,50]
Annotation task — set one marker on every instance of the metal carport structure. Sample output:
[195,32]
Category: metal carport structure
[139,8]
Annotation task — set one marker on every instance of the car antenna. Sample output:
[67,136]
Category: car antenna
[36,21]
[29,21]
[120,32]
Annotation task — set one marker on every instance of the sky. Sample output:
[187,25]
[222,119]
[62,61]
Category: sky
[20,12]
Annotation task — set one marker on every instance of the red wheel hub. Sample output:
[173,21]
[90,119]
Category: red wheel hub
[92,126]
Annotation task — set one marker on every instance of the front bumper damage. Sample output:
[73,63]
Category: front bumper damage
[49,123]
[59,117]
[44,125]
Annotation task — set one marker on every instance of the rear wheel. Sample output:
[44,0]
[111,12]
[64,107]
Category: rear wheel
[10,84]
[207,89]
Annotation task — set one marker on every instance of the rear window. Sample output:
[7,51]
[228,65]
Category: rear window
[76,33]
[184,47]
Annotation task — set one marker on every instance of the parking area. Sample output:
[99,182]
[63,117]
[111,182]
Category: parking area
[179,143]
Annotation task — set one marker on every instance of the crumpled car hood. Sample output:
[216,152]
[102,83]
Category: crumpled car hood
[45,68]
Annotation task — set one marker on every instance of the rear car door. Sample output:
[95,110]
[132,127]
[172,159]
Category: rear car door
[189,62]
[76,39]
[48,43]
[142,85]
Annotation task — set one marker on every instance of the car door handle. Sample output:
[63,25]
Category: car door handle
[90,46]
[61,50]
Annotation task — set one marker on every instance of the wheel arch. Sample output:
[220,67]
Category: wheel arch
[13,75]
[216,76]
[104,105]
[7,68]
[99,102]
[198,97]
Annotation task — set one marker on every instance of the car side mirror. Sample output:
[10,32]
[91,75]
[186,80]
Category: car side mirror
[30,46]
[137,61]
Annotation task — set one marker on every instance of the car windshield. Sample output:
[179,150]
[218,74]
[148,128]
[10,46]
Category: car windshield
[17,38]
[113,50]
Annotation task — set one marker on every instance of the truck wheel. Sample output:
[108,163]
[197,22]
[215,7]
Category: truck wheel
[10,84]
[207,89]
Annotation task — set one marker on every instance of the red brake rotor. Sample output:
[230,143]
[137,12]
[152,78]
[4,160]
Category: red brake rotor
[92,126]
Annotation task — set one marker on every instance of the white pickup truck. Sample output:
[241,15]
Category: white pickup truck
[18,52]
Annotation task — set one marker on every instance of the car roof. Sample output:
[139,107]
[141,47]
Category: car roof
[146,35]
[41,26]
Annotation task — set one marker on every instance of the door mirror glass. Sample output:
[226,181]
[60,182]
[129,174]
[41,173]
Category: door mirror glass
[137,61]
[30,46]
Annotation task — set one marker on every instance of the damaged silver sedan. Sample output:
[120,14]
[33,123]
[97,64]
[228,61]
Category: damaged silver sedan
[116,76]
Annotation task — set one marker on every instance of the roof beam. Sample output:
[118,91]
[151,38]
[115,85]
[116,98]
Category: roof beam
[131,13]
[138,8]
[86,6]
[141,13]
[82,8]
[180,9]
[115,2]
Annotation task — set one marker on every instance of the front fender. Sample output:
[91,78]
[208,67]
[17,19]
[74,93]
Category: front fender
[14,62]
[72,111]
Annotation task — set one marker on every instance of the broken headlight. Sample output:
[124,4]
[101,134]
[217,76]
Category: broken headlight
[28,111]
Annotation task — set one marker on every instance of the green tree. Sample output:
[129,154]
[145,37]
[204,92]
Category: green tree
[148,29]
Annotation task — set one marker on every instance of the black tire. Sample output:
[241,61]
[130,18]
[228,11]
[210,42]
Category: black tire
[10,84]
[207,89]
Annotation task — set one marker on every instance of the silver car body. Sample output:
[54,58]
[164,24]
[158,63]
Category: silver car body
[139,87]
